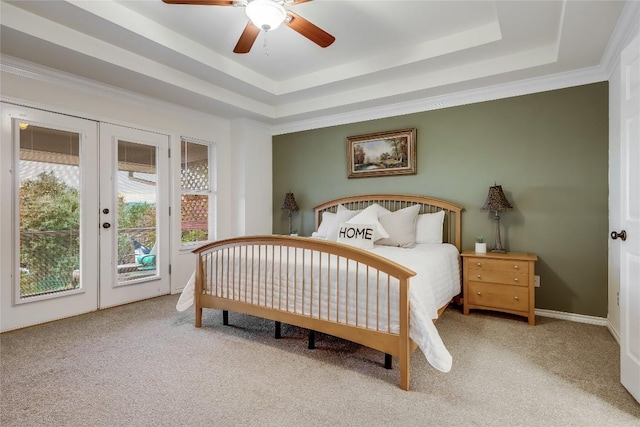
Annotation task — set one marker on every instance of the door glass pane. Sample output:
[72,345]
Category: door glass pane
[137,194]
[49,177]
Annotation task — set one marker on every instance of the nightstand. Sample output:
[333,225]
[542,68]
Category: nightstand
[499,282]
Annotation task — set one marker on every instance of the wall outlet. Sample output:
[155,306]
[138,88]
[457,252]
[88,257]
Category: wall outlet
[536,281]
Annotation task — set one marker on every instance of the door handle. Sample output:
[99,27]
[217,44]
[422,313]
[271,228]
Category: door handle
[106,225]
[622,235]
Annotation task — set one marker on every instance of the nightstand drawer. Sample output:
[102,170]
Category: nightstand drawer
[498,265]
[499,277]
[498,296]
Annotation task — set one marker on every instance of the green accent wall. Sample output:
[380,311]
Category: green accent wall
[548,150]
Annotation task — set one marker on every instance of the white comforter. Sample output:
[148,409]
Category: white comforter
[437,280]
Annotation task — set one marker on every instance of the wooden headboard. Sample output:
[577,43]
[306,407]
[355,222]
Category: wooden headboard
[393,202]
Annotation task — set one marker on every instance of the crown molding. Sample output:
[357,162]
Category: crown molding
[32,71]
[488,93]
[37,72]
[628,25]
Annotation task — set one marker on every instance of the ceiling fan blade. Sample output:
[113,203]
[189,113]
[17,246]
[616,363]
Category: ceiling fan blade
[310,31]
[201,2]
[248,36]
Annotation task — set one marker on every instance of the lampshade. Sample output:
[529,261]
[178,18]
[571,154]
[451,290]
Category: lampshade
[290,202]
[496,200]
[266,14]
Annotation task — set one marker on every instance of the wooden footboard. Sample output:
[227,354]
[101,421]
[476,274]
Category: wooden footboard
[320,285]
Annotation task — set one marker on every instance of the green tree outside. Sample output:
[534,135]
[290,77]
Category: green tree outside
[49,239]
[50,233]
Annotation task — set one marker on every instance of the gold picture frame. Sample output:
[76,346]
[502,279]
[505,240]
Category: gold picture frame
[382,154]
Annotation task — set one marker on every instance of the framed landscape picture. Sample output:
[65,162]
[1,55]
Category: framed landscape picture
[382,154]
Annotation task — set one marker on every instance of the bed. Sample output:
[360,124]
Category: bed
[384,295]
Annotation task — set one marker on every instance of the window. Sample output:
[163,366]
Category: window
[198,191]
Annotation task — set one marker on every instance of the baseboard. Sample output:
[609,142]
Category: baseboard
[613,332]
[581,318]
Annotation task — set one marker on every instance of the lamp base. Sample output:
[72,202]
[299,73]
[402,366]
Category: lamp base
[497,247]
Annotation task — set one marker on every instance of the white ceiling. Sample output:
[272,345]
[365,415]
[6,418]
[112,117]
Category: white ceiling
[386,52]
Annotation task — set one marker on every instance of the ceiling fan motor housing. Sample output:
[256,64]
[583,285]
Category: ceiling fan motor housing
[266,14]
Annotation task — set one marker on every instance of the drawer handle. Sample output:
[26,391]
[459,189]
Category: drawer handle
[516,279]
[478,276]
[478,292]
[516,298]
[478,264]
[516,267]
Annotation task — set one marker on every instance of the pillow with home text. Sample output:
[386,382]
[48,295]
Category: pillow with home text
[342,215]
[358,235]
[370,216]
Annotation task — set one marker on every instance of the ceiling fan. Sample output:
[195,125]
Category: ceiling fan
[267,15]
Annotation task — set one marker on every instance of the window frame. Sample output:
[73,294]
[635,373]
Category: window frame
[212,192]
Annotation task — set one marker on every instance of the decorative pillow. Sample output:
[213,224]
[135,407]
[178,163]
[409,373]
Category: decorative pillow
[342,215]
[401,226]
[370,216]
[380,210]
[429,227]
[358,235]
[328,219]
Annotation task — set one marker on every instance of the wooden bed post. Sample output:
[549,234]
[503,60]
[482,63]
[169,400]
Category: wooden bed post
[198,291]
[405,342]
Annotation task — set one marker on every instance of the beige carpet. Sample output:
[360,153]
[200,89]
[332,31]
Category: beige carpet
[145,364]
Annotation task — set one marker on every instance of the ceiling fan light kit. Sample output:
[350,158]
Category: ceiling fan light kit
[266,14]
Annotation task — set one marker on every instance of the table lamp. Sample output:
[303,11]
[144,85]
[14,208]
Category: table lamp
[290,204]
[496,202]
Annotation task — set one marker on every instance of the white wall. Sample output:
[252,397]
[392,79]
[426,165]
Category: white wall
[251,152]
[33,86]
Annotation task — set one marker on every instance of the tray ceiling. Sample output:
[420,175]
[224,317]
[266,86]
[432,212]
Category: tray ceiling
[386,52]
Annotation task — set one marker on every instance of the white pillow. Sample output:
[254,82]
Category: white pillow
[380,210]
[342,215]
[370,216]
[401,226]
[358,235]
[429,227]
[327,221]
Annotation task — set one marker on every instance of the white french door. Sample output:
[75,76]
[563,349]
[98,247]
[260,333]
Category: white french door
[49,249]
[134,215]
[84,218]
[629,235]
